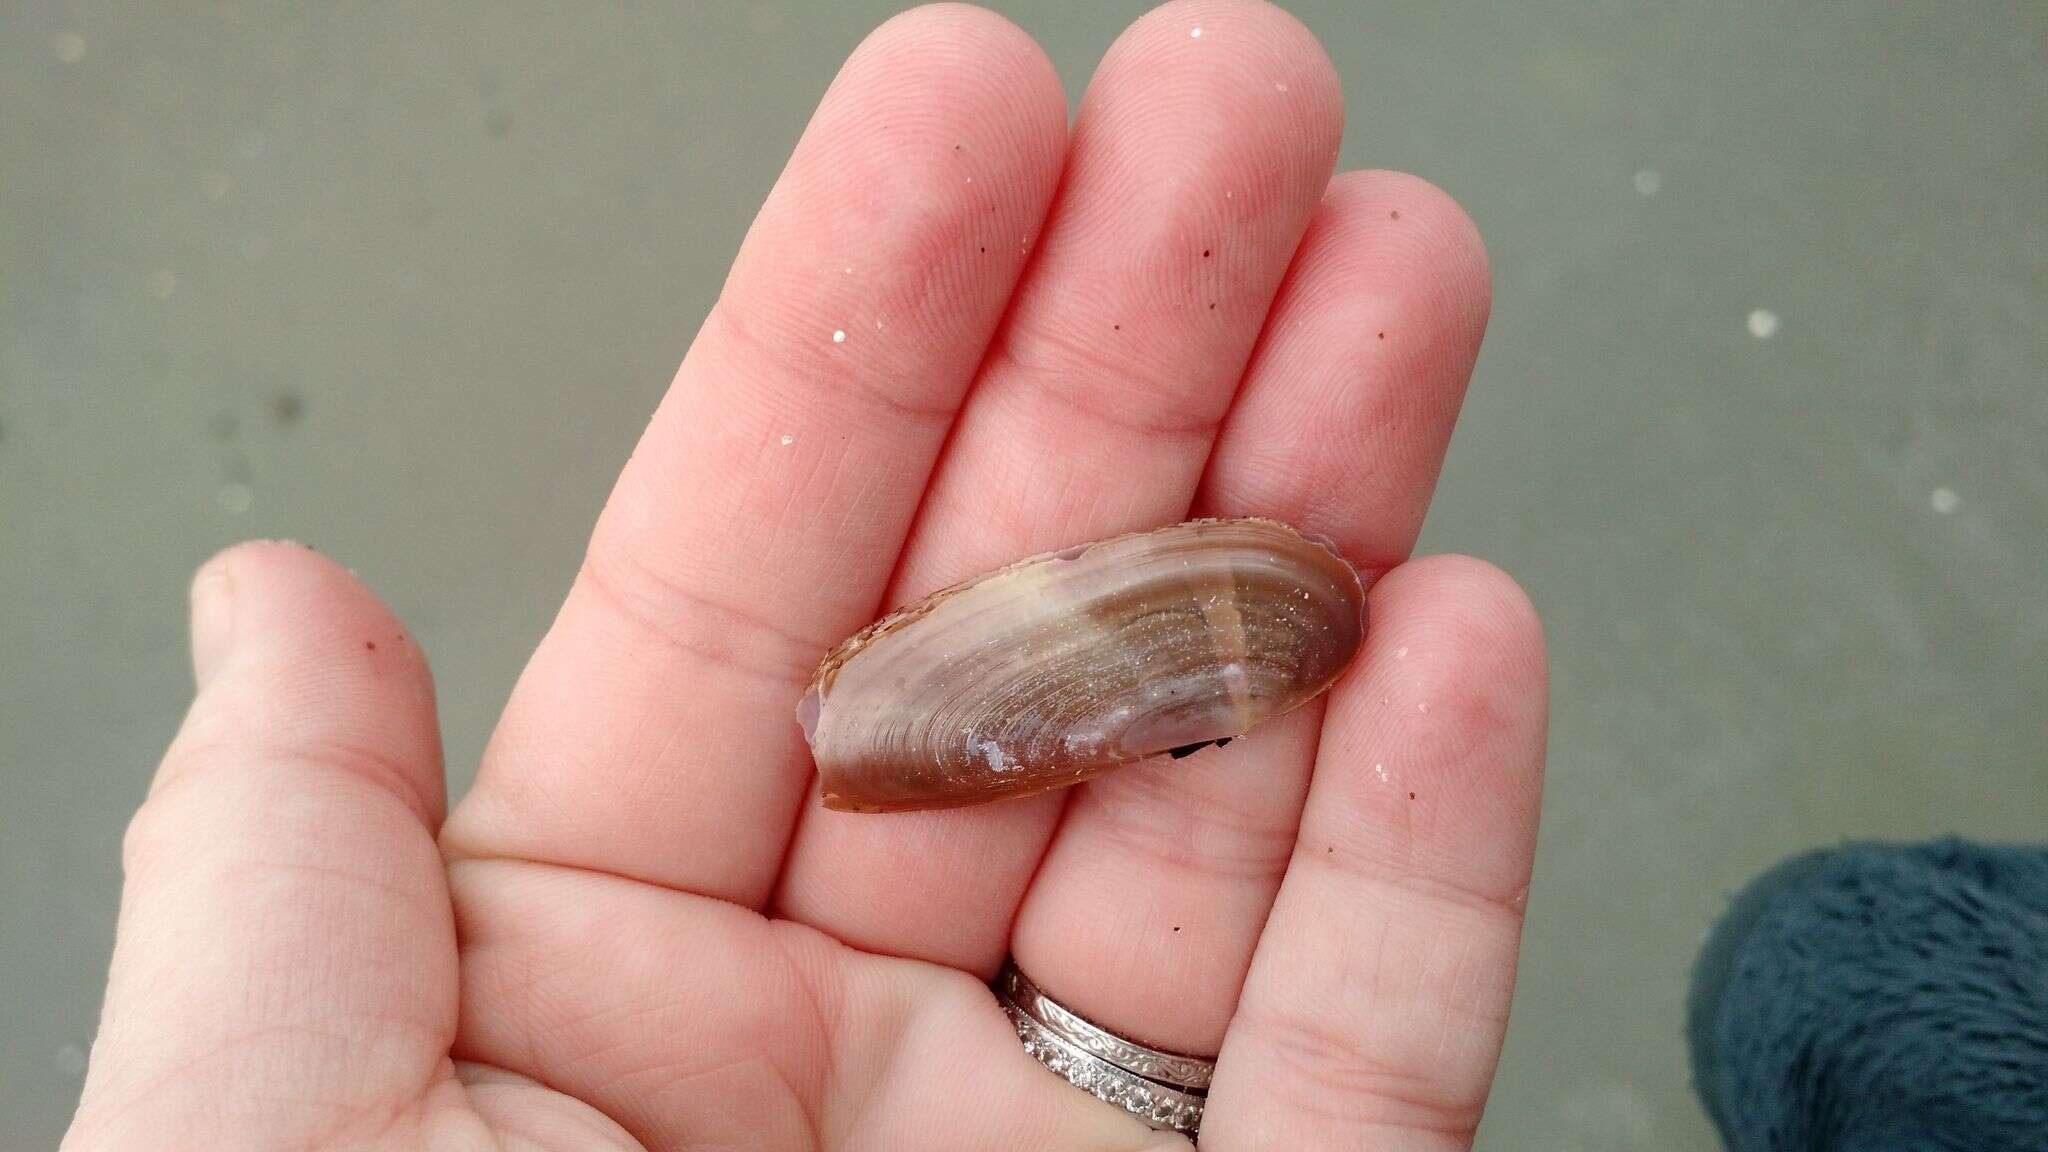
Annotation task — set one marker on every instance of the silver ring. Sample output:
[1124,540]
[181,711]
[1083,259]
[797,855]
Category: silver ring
[1156,1104]
[1171,1068]
[1088,1057]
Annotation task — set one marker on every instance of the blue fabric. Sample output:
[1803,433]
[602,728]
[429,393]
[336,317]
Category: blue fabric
[1880,998]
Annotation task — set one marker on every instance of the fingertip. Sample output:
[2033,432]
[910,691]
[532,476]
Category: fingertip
[271,593]
[1238,93]
[261,563]
[1452,688]
[212,612]
[215,590]
[968,80]
[965,57]
[1345,414]
[971,30]
[290,648]
[1261,41]
[1465,635]
[904,215]
[1383,227]
[1482,602]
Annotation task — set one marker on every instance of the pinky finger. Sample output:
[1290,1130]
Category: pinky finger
[1378,996]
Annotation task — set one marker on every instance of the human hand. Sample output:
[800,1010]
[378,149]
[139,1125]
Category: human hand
[955,335]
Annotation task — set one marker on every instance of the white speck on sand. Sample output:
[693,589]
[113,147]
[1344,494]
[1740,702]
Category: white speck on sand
[970,179]
[1279,86]
[787,439]
[878,325]
[216,184]
[234,498]
[847,270]
[1648,182]
[162,283]
[839,335]
[1401,653]
[1194,33]
[1422,708]
[1380,770]
[1763,324]
[68,46]
[1944,500]
[70,1059]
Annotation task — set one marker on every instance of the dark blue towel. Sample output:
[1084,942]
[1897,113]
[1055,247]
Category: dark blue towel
[1880,998]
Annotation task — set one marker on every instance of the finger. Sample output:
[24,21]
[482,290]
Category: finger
[284,969]
[1196,163]
[1361,376]
[1145,911]
[1378,996]
[653,733]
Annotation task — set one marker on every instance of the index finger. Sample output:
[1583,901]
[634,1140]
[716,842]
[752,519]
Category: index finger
[761,515]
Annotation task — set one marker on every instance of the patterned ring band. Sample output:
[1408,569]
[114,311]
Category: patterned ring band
[1156,1104]
[1171,1068]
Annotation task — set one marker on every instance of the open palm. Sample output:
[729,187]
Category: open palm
[957,334]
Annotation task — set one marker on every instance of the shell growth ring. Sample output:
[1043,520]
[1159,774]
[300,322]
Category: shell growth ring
[1064,666]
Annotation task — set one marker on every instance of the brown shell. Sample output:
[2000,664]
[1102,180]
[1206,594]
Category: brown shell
[1062,666]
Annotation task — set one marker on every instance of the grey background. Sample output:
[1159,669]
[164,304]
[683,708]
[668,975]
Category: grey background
[406,282]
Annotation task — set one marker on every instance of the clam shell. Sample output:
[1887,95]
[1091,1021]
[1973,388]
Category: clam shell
[1063,666]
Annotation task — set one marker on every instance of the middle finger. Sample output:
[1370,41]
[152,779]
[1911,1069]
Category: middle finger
[1202,147]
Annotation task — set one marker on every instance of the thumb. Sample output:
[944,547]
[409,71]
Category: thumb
[284,967]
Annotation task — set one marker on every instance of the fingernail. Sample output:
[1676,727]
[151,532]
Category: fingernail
[213,619]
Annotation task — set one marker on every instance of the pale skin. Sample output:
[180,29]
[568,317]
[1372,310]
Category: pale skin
[984,334]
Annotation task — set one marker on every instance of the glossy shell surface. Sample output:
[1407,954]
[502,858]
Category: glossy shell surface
[1060,667]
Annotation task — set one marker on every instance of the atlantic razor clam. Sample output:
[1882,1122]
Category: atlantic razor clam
[1063,666]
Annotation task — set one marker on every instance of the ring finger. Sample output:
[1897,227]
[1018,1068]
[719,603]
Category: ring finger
[1146,910]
